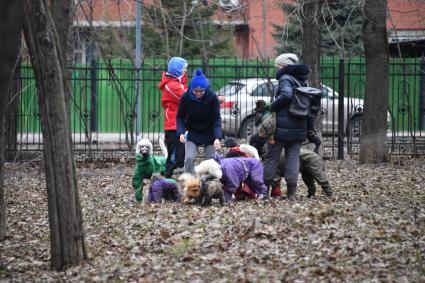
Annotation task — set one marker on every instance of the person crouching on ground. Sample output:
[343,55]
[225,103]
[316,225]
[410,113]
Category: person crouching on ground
[234,172]
[199,120]
[173,85]
[244,150]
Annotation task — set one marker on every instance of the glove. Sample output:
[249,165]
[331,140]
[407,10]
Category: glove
[312,138]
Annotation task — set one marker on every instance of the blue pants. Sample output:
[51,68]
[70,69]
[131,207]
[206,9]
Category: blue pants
[191,151]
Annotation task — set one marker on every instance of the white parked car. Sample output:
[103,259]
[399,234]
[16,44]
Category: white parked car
[238,103]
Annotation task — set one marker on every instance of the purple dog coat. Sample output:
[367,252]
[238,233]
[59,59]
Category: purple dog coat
[163,189]
[240,169]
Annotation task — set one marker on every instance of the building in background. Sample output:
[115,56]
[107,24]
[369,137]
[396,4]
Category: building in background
[406,26]
[251,22]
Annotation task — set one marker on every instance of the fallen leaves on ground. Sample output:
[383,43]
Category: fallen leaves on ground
[373,229]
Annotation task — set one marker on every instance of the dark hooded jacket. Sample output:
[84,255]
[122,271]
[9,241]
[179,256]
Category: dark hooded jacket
[288,127]
[200,117]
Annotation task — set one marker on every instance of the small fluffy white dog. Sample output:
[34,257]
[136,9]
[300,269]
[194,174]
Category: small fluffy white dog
[209,166]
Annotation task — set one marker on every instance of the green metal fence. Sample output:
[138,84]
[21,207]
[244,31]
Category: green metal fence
[104,95]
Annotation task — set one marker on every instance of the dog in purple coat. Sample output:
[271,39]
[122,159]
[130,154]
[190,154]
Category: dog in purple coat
[162,188]
[232,172]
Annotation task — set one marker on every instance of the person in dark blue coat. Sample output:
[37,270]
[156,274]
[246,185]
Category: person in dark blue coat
[290,130]
[199,120]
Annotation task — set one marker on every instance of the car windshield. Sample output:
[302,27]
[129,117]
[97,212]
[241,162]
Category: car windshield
[230,89]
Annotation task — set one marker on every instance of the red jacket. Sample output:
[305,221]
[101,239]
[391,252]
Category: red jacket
[172,90]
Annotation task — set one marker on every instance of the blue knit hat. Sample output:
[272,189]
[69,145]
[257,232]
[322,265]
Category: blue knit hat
[199,80]
[176,66]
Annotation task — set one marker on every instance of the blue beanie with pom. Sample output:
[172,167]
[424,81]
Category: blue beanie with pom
[199,80]
[176,66]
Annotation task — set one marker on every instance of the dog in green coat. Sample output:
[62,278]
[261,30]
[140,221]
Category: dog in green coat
[146,164]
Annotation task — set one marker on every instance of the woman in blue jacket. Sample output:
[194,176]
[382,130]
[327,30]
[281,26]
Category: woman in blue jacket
[198,120]
[290,131]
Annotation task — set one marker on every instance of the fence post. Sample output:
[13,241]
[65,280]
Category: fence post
[93,95]
[341,87]
[422,94]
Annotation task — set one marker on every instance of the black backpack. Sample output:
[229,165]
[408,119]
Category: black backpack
[305,101]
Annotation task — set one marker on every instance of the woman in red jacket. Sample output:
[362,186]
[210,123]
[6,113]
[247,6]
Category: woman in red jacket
[173,85]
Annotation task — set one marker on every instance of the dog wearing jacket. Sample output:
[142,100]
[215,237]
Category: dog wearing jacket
[146,164]
[232,172]
[163,189]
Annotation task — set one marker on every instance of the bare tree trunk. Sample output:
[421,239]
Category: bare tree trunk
[12,110]
[65,219]
[205,64]
[373,144]
[263,27]
[62,14]
[182,28]
[10,33]
[164,22]
[310,13]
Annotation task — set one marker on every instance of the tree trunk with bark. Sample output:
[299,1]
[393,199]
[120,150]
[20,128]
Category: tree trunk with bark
[12,109]
[164,22]
[373,144]
[181,39]
[62,13]
[310,14]
[10,33]
[263,28]
[65,218]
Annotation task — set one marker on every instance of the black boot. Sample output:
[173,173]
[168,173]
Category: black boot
[327,190]
[292,191]
[311,191]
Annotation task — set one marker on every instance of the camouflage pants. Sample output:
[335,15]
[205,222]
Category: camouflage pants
[310,174]
[312,170]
